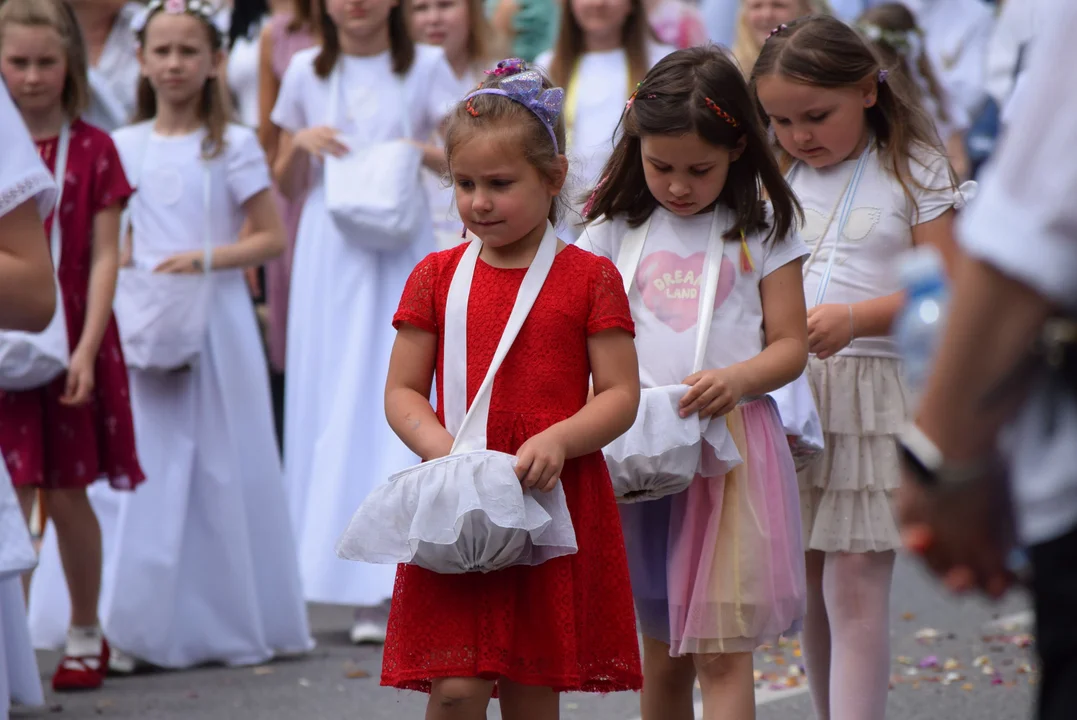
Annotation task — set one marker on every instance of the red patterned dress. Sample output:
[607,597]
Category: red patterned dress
[46,444]
[568,623]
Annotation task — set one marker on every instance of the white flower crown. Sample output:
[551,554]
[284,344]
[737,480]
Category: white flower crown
[203,9]
[909,43]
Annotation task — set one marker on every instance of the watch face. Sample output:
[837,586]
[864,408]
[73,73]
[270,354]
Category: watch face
[919,470]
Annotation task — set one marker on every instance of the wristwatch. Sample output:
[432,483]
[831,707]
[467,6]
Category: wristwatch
[923,458]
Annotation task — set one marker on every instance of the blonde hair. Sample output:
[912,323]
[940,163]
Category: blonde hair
[214,106]
[746,46]
[58,15]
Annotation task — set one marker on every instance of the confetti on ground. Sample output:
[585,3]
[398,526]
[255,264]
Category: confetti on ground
[908,617]
[929,663]
[303,682]
[357,674]
[927,635]
[904,660]
[967,686]
[572,706]
[951,664]
[263,670]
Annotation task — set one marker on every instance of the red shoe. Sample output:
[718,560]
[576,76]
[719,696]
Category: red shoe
[74,674]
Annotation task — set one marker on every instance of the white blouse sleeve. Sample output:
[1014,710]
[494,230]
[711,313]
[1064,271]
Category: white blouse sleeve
[247,170]
[23,176]
[933,185]
[289,112]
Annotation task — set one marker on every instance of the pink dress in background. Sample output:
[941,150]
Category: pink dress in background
[278,272]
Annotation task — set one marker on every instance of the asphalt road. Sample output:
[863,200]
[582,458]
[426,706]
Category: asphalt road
[339,681]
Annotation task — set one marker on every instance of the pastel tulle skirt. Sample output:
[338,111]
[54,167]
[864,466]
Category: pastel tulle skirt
[719,568]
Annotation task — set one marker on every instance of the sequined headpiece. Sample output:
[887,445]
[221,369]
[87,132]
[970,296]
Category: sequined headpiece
[524,86]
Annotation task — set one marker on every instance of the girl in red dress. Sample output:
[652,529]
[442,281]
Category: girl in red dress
[567,624]
[78,428]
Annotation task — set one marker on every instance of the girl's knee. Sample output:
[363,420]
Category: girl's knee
[721,668]
[663,671]
[460,693]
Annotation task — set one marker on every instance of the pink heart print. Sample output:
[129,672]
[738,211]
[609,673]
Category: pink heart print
[670,286]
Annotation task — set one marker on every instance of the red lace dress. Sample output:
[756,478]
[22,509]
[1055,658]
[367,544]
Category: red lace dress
[568,623]
[47,444]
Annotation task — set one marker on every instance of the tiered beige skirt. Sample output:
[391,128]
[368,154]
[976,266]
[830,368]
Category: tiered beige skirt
[846,494]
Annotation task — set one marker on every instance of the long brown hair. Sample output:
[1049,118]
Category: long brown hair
[306,14]
[492,114]
[679,96]
[635,35]
[889,28]
[58,15]
[214,105]
[479,33]
[823,51]
[401,46]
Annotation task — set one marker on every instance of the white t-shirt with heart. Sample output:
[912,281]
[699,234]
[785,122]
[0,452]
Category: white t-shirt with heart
[877,233]
[664,296]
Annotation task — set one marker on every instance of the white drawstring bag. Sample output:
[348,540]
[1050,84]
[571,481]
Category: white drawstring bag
[162,317]
[466,512]
[30,360]
[662,452]
[374,193]
[795,401]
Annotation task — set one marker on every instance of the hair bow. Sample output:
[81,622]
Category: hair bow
[526,88]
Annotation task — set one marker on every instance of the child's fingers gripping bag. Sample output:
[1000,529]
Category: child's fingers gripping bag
[662,452]
[468,511]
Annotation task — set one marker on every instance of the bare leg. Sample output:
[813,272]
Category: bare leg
[857,590]
[728,686]
[79,540]
[667,684]
[527,702]
[816,636]
[459,699]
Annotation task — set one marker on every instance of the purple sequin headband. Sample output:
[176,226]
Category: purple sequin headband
[524,87]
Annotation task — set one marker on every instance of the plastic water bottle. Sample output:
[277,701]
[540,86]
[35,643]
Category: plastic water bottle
[918,326]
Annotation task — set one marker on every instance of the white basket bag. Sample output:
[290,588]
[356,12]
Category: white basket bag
[662,452]
[795,401]
[30,360]
[374,194]
[162,317]
[466,512]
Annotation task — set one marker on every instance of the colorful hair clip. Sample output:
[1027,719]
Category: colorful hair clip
[203,9]
[632,97]
[526,89]
[777,30]
[471,109]
[720,112]
[883,74]
[508,66]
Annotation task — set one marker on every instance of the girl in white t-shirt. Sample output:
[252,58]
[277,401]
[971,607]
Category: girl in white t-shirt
[864,161]
[603,50]
[717,570]
[200,563]
[380,86]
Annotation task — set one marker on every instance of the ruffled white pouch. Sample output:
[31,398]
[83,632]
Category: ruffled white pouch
[466,512]
[662,452]
[800,420]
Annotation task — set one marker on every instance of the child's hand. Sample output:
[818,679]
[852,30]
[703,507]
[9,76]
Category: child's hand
[186,263]
[830,330]
[540,460]
[713,393]
[80,379]
[320,141]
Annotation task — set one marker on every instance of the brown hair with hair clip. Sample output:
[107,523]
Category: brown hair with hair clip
[214,105]
[492,114]
[894,18]
[698,90]
[58,15]
[823,51]
[401,45]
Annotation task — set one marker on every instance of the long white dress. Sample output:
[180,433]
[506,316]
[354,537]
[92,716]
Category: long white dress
[200,561]
[23,177]
[337,443]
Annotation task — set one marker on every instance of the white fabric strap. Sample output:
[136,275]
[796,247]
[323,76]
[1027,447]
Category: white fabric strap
[56,234]
[336,91]
[845,201]
[470,429]
[628,259]
[145,133]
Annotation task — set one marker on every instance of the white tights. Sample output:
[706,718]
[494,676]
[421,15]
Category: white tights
[847,633]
